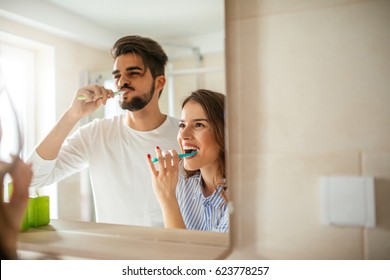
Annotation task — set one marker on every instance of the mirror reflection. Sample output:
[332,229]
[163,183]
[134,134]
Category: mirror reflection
[143,120]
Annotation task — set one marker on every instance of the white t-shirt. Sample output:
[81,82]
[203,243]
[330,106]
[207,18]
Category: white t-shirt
[116,157]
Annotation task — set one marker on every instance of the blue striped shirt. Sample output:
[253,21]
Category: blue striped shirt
[199,212]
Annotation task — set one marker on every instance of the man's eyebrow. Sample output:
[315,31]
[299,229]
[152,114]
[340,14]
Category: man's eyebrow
[133,68]
[128,69]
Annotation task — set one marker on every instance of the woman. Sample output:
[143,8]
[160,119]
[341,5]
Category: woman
[192,191]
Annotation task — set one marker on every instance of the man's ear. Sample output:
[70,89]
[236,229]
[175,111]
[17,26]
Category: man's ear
[160,83]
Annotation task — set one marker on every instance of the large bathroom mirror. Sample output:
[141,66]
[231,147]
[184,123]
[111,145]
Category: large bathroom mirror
[70,42]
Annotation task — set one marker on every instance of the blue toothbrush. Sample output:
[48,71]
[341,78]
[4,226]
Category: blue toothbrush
[180,156]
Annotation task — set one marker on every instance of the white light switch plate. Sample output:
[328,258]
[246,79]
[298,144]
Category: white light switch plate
[348,201]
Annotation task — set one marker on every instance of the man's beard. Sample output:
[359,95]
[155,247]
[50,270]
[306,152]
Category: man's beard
[137,103]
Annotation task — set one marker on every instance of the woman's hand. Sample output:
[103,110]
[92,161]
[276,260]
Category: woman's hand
[164,181]
[165,178]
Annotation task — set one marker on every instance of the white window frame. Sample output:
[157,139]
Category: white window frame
[28,69]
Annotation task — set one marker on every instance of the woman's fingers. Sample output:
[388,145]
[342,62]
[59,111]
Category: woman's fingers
[151,165]
[175,159]
[168,161]
[165,175]
[161,160]
[167,164]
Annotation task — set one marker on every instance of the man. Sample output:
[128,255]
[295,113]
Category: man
[115,149]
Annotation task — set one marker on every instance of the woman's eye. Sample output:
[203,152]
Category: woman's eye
[199,125]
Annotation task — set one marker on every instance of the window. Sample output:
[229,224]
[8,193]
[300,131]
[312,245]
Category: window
[18,67]
[28,68]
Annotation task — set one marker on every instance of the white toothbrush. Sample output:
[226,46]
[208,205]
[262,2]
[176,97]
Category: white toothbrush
[82,97]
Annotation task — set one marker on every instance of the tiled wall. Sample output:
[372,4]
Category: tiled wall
[309,96]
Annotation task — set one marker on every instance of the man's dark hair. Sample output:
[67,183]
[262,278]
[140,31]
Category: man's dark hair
[149,50]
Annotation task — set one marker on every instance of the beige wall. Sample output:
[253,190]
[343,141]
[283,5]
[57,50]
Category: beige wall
[308,87]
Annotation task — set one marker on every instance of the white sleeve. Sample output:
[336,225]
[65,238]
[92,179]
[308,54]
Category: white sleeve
[71,159]
[41,169]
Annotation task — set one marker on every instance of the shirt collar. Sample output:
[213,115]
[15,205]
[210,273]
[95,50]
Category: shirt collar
[216,199]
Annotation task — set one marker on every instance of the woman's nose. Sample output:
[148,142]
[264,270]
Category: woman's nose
[186,133]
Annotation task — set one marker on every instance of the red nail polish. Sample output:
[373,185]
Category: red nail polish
[157,147]
[148,155]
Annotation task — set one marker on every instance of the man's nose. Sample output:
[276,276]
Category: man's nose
[123,82]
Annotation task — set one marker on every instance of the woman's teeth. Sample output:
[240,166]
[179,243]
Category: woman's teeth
[190,149]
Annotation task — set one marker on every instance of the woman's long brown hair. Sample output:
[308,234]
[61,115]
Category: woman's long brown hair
[213,104]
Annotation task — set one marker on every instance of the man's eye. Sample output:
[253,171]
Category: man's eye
[181,125]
